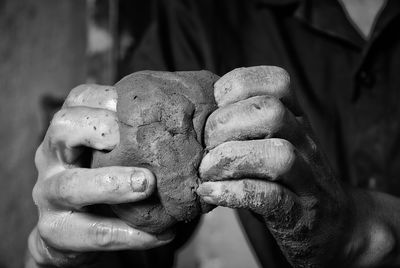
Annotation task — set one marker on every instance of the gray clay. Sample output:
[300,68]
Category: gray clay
[161,121]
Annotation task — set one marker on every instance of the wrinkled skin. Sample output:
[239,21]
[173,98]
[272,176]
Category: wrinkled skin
[262,158]
[161,120]
[67,234]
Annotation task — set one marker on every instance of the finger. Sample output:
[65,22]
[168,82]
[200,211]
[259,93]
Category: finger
[79,187]
[270,159]
[260,196]
[93,96]
[263,159]
[80,232]
[243,83]
[44,255]
[80,126]
[253,118]
[108,185]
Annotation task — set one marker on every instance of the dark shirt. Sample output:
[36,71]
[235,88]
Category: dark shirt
[348,87]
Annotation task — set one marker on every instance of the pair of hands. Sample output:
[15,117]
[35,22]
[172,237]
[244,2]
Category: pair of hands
[260,157]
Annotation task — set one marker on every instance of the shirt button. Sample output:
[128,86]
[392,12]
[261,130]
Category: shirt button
[366,79]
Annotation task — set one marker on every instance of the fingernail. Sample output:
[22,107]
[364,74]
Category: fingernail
[209,200]
[205,189]
[207,193]
[166,236]
[138,182]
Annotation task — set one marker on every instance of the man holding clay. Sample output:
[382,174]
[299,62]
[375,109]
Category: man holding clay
[307,151]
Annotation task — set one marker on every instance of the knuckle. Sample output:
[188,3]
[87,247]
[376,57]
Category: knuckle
[58,117]
[37,193]
[34,249]
[56,125]
[277,108]
[273,108]
[103,235]
[282,81]
[75,93]
[66,197]
[39,156]
[218,122]
[211,122]
[222,116]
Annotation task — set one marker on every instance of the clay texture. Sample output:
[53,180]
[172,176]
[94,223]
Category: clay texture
[161,121]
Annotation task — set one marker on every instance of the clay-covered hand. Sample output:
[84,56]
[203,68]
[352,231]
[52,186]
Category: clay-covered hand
[67,233]
[263,158]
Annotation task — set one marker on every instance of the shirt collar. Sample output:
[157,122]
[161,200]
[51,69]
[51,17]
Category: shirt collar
[328,17]
[277,2]
[388,14]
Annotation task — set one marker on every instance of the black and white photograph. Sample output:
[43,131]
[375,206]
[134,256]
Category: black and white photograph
[199,133]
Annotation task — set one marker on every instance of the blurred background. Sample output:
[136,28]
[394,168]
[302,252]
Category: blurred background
[48,47]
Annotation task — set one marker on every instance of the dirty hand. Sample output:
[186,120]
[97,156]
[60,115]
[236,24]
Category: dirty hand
[67,234]
[262,157]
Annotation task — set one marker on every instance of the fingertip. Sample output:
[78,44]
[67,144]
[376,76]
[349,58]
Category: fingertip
[143,240]
[148,180]
[166,237]
[140,182]
[209,200]
[42,157]
[210,192]
[205,189]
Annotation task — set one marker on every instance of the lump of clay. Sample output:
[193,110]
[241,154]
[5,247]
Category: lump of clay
[161,121]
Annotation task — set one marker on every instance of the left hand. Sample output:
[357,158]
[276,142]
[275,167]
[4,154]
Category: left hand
[261,157]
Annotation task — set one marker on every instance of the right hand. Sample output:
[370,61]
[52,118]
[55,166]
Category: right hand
[66,233]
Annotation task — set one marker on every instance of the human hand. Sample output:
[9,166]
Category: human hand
[67,233]
[262,158]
